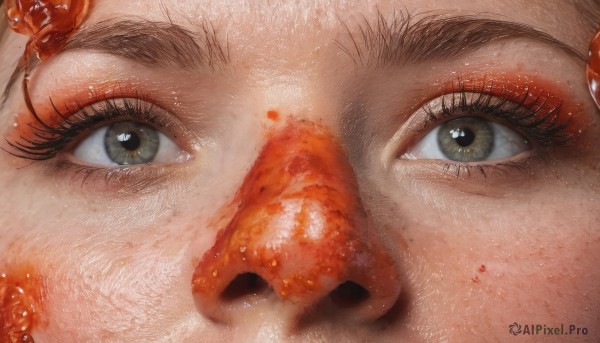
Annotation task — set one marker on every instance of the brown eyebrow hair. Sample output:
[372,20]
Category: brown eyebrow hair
[407,39]
[154,43]
[148,42]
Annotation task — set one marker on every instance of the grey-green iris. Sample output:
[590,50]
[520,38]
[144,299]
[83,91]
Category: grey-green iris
[467,139]
[131,143]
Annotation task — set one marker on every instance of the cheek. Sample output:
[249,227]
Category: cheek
[539,266]
[116,287]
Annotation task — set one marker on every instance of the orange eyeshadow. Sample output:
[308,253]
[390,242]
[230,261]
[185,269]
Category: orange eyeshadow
[542,97]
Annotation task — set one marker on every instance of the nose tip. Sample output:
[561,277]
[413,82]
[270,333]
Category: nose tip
[299,232]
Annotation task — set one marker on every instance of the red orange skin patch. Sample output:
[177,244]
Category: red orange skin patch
[21,303]
[273,115]
[299,224]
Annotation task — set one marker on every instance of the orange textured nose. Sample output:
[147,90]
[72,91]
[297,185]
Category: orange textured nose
[301,231]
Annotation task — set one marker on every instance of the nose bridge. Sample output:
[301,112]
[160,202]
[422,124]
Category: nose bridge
[300,226]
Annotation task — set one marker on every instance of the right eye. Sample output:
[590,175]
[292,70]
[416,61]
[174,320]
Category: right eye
[129,143]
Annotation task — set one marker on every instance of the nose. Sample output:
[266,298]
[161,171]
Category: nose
[299,237]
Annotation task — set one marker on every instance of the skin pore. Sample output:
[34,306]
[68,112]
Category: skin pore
[300,131]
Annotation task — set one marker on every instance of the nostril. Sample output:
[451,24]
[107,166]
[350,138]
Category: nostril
[244,285]
[349,294]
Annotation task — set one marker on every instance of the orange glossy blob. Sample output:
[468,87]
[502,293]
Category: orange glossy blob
[300,225]
[593,68]
[21,299]
[48,23]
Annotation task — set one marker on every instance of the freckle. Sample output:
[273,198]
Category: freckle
[273,115]
[482,268]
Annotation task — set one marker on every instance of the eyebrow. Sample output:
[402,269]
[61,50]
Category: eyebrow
[396,41]
[154,43]
[404,39]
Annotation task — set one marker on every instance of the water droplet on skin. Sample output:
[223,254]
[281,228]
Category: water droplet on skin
[16,120]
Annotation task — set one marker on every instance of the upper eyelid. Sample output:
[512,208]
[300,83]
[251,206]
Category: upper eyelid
[154,43]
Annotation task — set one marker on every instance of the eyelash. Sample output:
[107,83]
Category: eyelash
[51,140]
[526,111]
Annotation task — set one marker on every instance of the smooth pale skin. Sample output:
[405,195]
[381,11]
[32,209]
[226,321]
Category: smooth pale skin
[119,259]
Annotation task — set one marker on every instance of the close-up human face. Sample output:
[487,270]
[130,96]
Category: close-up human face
[299,171]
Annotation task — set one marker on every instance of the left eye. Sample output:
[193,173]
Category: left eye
[129,143]
[469,139]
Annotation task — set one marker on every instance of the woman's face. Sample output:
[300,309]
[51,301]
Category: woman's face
[304,171]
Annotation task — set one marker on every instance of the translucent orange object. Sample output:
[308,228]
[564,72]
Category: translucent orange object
[21,298]
[48,24]
[593,68]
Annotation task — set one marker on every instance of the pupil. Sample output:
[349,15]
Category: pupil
[129,141]
[463,136]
